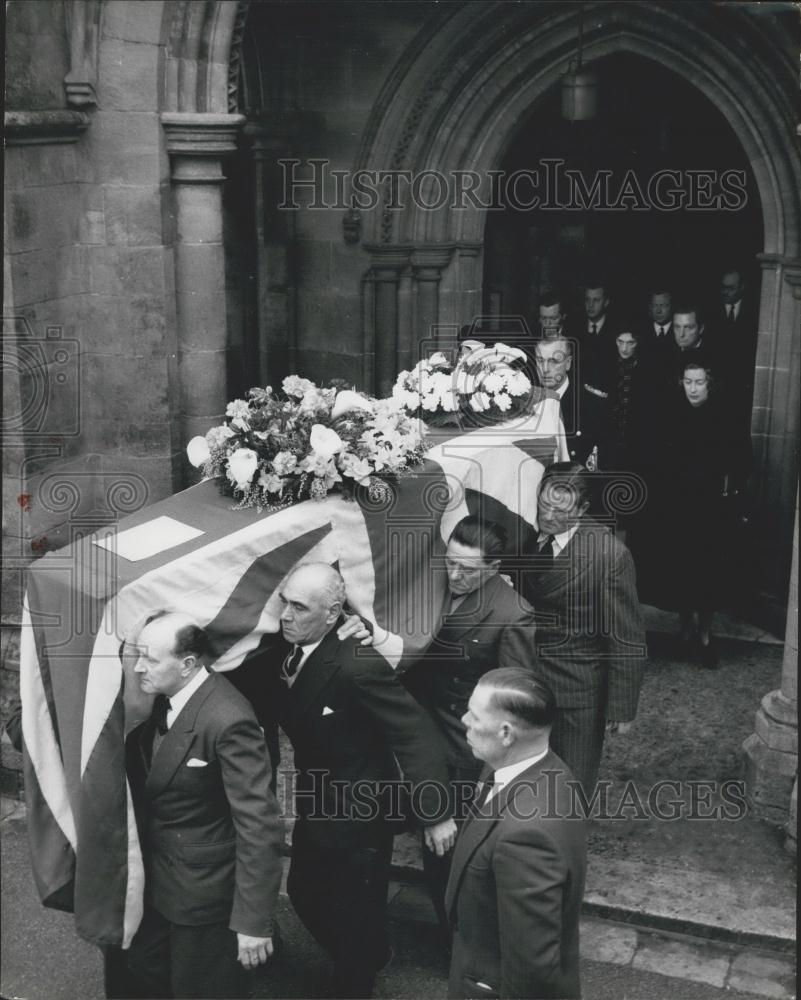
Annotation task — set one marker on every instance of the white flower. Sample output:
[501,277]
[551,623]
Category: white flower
[197,451]
[437,360]
[284,463]
[237,408]
[270,482]
[293,385]
[503,401]
[494,382]
[356,468]
[507,353]
[324,441]
[468,346]
[517,384]
[347,399]
[480,401]
[313,399]
[217,436]
[240,423]
[242,463]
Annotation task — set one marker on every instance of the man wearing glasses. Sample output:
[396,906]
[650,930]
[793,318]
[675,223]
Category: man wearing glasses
[484,624]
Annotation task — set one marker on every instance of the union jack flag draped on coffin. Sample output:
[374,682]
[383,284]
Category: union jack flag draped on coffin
[79,698]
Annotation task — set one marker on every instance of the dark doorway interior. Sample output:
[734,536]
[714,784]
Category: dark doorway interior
[649,120]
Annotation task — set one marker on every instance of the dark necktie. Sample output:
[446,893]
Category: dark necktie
[160,708]
[662,331]
[546,549]
[731,317]
[291,663]
[594,328]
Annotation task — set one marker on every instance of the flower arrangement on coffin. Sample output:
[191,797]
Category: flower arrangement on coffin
[482,380]
[276,448]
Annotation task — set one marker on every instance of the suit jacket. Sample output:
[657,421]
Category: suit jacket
[590,639]
[211,835]
[349,718]
[515,889]
[585,417]
[492,627]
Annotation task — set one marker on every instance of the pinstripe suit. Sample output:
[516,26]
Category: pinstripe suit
[590,641]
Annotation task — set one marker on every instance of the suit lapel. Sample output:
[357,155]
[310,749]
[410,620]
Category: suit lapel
[315,673]
[177,740]
[482,823]
[471,612]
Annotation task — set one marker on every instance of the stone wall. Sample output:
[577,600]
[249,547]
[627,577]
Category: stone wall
[89,335]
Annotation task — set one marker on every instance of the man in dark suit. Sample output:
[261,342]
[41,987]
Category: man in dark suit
[656,336]
[517,879]
[584,408]
[551,316]
[590,640]
[348,718]
[483,624]
[209,827]
[596,337]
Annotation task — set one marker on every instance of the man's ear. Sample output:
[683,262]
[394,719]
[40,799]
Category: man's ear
[334,612]
[568,362]
[584,508]
[189,664]
[493,564]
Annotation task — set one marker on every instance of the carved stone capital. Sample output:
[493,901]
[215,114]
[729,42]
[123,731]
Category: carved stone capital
[193,133]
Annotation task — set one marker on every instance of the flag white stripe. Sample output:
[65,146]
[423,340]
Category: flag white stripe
[39,735]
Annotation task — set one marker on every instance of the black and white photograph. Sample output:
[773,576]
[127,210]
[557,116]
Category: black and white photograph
[400,499]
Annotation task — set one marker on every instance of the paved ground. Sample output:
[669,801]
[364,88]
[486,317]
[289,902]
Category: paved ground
[43,959]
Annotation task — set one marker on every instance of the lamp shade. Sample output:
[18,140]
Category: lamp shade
[579,96]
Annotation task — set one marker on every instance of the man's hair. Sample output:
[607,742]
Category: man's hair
[567,341]
[333,589]
[476,533]
[190,640]
[516,691]
[732,267]
[659,290]
[551,298]
[596,281]
[686,306]
[571,476]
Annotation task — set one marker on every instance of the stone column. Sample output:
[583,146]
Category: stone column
[427,265]
[775,432]
[386,328]
[197,143]
[772,750]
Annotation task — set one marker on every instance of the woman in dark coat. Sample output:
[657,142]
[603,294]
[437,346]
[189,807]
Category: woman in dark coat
[697,459]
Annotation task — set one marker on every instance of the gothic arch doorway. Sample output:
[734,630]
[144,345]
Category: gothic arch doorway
[644,205]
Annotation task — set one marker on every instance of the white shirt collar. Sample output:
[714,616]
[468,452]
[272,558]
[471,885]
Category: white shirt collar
[599,324]
[179,700]
[308,648]
[736,305]
[560,541]
[506,774]
[661,329]
[562,389]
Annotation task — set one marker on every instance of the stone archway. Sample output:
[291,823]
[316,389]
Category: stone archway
[455,105]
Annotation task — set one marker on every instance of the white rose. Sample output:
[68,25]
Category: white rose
[480,401]
[346,400]
[324,441]
[197,451]
[242,464]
